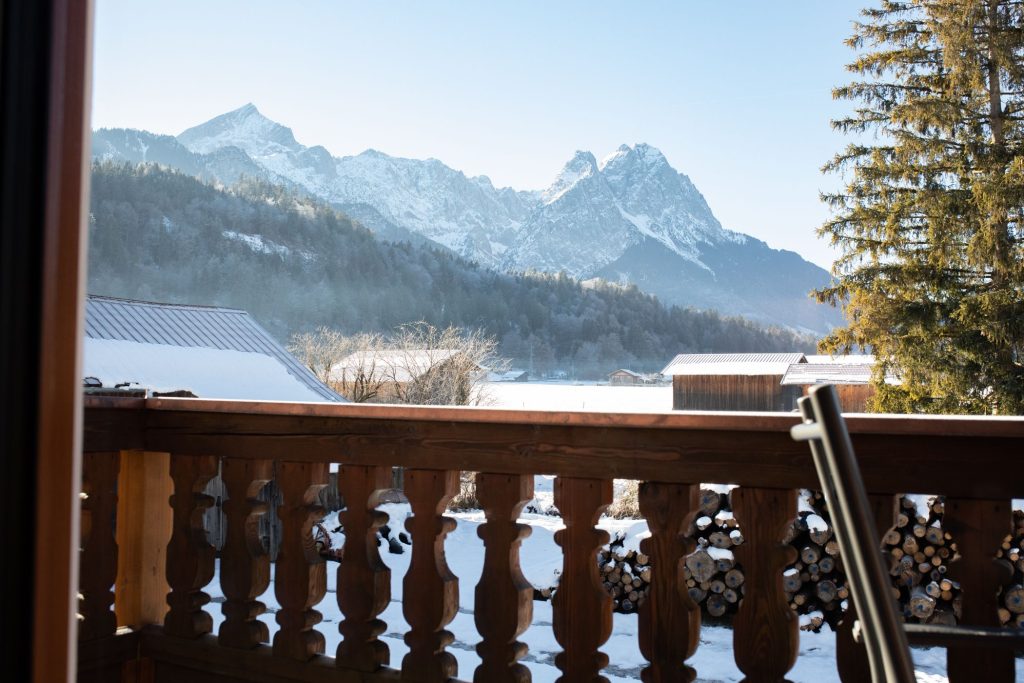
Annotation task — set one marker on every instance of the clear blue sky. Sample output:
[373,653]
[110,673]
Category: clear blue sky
[736,94]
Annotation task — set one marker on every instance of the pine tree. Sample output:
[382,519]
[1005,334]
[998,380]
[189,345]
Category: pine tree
[929,223]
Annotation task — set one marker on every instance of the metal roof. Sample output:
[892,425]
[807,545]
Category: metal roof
[732,363]
[828,373]
[184,325]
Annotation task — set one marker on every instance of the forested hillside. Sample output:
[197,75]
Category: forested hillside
[296,264]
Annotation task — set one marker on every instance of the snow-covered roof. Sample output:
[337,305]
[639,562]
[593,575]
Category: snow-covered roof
[628,372]
[396,366]
[195,330]
[732,363]
[827,373]
[851,359]
[207,373]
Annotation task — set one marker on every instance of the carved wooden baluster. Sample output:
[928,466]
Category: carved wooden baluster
[669,620]
[978,528]
[851,657]
[582,608]
[244,563]
[504,598]
[766,635]
[99,548]
[190,557]
[300,580]
[431,590]
[364,581]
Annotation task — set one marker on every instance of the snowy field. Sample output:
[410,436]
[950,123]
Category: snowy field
[541,558]
[576,397]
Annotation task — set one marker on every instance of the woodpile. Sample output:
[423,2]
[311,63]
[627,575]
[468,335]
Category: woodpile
[918,548]
[625,574]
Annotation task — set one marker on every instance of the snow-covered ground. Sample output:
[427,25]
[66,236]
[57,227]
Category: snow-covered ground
[568,396]
[540,560]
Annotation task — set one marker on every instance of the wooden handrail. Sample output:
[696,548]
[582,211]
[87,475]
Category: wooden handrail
[960,456]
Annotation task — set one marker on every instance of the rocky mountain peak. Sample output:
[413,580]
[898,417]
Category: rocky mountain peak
[245,128]
[582,165]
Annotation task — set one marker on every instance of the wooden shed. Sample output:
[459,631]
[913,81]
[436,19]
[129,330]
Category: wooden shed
[851,376]
[623,377]
[733,381]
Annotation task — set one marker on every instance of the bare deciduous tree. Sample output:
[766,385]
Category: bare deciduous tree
[419,364]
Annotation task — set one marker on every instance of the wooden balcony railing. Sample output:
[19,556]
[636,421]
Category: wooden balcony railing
[140,454]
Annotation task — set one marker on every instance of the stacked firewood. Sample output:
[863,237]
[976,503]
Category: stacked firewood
[919,551]
[918,548]
[713,579]
[1011,609]
[625,574]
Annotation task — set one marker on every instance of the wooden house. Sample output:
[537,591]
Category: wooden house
[732,381]
[623,377]
[851,376]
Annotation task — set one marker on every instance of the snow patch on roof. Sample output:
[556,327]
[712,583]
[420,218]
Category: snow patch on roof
[208,373]
[732,363]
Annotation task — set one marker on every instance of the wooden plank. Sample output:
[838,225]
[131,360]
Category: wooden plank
[190,557]
[202,660]
[98,567]
[244,562]
[752,449]
[669,620]
[429,579]
[144,525]
[364,581]
[978,528]
[582,608]
[766,634]
[504,598]
[52,86]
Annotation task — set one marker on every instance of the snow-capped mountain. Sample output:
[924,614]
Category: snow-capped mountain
[629,218]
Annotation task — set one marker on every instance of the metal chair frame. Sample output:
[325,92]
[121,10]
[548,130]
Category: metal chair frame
[885,637]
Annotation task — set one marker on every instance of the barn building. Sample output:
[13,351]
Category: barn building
[733,381]
[851,376]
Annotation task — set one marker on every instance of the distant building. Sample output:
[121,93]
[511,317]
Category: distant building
[182,350]
[623,377]
[395,373]
[733,381]
[851,376]
[509,376]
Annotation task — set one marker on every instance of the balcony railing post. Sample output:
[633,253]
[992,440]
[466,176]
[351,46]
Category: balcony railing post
[669,620]
[435,588]
[766,635]
[978,528]
[98,567]
[504,598]
[582,608]
[300,580]
[364,581]
[190,557]
[145,522]
[244,563]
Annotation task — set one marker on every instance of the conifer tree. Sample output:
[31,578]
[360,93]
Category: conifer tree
[931,275]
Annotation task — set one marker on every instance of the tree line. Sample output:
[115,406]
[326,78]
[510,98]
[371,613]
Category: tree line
[297,264]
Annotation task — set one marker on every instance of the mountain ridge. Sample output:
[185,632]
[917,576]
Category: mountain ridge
[594,219]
